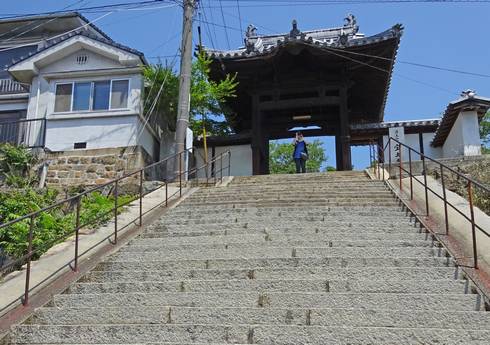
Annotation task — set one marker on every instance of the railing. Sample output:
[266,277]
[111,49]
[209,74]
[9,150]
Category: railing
[378,163]
[74,204]
[9,86]
[30,133]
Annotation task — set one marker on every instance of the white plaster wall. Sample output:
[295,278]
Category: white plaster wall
[241,159]
[464,137]
[68,63]
[98,132]
[412,140]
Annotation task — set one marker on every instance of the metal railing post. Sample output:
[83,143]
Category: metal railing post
[445,200]
[389,157]
[229,163]
[473,229]
[425,186]
[166,194]
[410,173]
[77,233]
[115,210]
[221,169]
[29,255]
[141,199]
[383,155]
[400,167]
[180,174]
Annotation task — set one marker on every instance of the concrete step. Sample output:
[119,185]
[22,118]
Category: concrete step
[343,317]
[283,252]
[348,228]
[279,285]
[279,238]
[161,246]
[366,273]
[439,302]
[316,202]
[243,334]
[120,264]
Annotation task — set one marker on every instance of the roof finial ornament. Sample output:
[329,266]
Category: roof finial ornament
[350,20]
[251,31]
[468,93]
[295,31]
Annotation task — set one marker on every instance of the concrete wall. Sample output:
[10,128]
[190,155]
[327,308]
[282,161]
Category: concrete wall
[241,160]
[464,137]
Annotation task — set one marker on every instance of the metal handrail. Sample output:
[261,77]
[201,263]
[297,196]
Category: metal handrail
[76,199]
[471,184]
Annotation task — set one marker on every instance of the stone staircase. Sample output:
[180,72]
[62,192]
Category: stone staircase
[293,259]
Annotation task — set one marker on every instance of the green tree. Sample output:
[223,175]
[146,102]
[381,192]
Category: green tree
[281,157]
[207,96]
[485,132]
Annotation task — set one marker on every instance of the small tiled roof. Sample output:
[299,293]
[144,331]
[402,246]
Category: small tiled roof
[58,40]
[391,124]
[469,101]
[49,17]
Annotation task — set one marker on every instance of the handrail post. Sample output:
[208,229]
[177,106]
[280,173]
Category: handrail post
[221,169]
[166,194]
[377,161]
[410,172]
[389,157]
[229,163]
[141,199]
[425,185]
[77,233]
[445,199]
[116,183]
[473,230]
[180,174]
[383,155]
[29,256]
[400,167]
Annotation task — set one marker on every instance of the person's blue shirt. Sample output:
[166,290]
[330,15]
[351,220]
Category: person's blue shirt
[300,147]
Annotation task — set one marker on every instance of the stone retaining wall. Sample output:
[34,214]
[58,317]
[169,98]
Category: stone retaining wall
[93,167]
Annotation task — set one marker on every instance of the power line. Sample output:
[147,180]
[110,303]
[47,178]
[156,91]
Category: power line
[126,5]
[239,15]
[224,24]
[413,63]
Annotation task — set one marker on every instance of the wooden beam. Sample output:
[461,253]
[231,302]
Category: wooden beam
[301,102]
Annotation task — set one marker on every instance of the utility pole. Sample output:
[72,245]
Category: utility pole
[204,139]
[185,81]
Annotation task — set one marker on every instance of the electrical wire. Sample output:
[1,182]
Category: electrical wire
[239,15]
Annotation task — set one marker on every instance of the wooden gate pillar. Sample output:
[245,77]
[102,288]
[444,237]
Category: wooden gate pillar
[346,161]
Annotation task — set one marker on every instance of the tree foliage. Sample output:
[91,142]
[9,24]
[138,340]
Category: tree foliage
[15,165]
[281,157]
[485,129]
[207,96]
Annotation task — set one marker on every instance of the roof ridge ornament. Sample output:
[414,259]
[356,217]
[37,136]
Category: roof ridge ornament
[295,32]
[351,21]
[468,94]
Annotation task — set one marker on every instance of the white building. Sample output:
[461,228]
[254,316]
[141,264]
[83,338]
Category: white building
[72,87]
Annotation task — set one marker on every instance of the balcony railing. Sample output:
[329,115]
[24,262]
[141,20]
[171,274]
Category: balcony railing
[29,133]
[9,86]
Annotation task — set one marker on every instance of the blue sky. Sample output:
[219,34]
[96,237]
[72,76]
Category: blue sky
[452,35]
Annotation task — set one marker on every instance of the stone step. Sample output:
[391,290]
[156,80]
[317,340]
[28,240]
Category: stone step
[317,202]
[439,302]
[292,193]
[280,238]
[285,252]
[119,264]
[161,246]
[365,273]
[342,317]
[433,286]
[350,228]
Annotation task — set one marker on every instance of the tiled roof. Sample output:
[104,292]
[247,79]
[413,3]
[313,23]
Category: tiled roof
[469,101]
[58,40]
[391,124]
[340,37]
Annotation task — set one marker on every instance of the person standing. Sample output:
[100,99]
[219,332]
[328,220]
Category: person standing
[300,153]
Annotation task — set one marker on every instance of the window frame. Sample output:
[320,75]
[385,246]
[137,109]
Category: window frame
[92,90]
